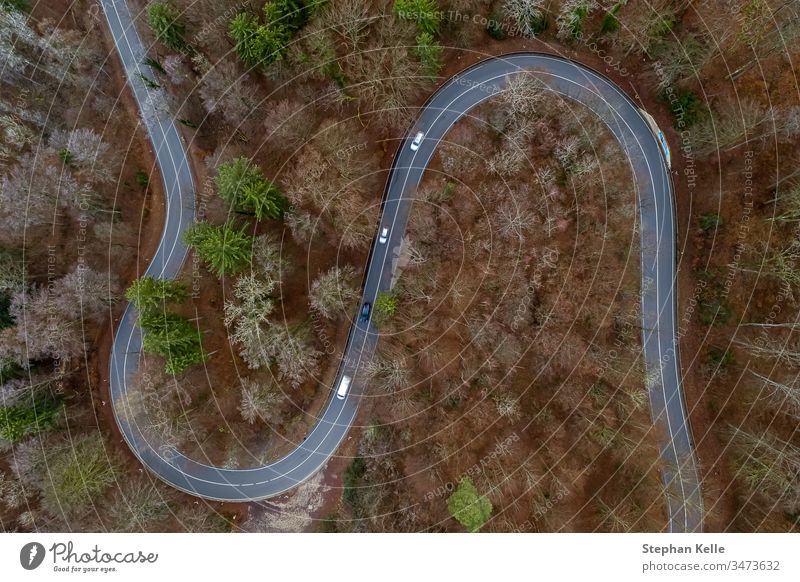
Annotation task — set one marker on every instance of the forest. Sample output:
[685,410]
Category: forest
[521,257]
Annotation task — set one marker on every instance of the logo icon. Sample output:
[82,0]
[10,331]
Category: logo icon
[31,555]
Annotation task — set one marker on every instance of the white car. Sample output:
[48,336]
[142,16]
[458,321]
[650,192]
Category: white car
[417,141]
[343,386]
[384,235]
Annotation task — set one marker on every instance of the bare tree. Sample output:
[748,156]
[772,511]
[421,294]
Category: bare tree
[225,89]
[259,402]
[731,122]
[334,292]
[524,96]
[137,506]
[12,271]
[391,371]
[12,493]
[783,264]
[350,19]
[90,291]
[783,395]
[302,225]
[571,17]
[769,466]
[292,352]
[514,218]
[507,406]
[782,351]
[269,260]
[34,190]
[288,124]
[248,313]
[177,71]
[87,151]
[642,25]
[525,14]
[47,325]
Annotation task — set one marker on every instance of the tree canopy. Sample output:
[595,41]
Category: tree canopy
[242,185]
[471,509]
[163,20]
[226,249]
[260,42]
[173,337]
[149,294]
[424,13]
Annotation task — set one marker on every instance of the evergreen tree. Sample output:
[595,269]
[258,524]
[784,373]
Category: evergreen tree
[163,20]
[149,294]
[225,249]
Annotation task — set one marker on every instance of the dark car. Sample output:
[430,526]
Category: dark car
[365,309]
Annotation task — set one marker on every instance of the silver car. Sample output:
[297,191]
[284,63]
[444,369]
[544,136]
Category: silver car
[417,140]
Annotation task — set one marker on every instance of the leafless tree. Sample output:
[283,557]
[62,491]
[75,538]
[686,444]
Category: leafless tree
[569,15]
[643,24]
[87,151]
[34,190]
[12,271]
[387,79]
[391,371]
[783,351]
[288,124]
[783,395]
[334,292]
[259,402]
[12,492]
[137,506]
[515,218]
[507,406]
[269,261]
[507,162]
[350,19]
[769,466]
[525,96]
[89,290]
[524,13]
[302,226]
[731,122]
[248,313]
[227,90]
[177,71]
[47,325]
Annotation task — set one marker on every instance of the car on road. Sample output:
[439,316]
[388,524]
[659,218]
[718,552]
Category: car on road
[384,235]
[344,384]
[417,141]
[365,309]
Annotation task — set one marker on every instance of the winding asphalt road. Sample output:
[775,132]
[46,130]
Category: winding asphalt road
[451,102]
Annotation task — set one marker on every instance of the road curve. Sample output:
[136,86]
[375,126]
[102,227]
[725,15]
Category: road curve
[453,100]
